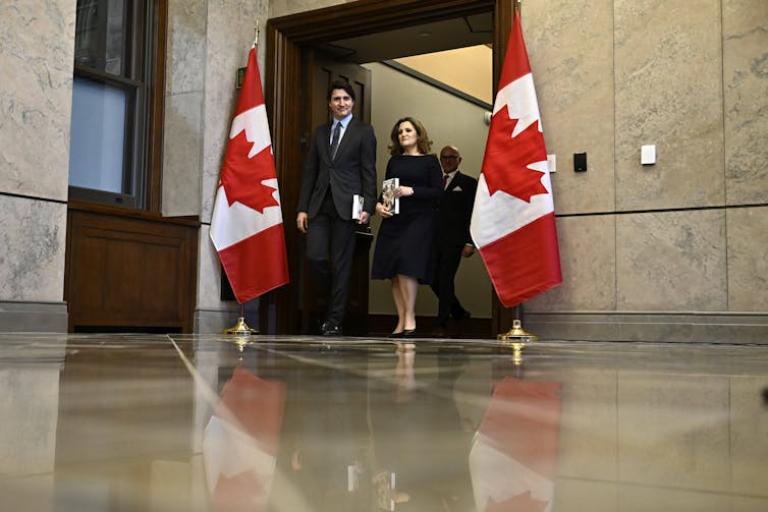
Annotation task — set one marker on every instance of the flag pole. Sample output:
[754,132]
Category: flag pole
[517,337]
[247,283]
[241,328]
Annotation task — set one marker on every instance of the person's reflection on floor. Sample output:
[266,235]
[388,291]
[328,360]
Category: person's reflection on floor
[325,451]
[417,435]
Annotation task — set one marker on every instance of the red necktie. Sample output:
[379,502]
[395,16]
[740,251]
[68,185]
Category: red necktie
[445,180]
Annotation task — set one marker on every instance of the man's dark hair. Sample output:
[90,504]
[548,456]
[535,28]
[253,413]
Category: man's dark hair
[340,84]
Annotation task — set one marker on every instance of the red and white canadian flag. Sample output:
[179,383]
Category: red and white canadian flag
[513,223]
[247,223]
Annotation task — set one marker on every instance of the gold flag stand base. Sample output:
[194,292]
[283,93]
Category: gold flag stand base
[517,338]
[241,333]
[241,328]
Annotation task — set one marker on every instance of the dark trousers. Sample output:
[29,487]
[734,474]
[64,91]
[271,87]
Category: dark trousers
[447,259]
[330,250]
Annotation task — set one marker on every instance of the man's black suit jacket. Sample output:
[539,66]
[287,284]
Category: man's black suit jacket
[456,205]
[353,171]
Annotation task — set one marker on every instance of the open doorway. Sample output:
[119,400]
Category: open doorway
[306,49]
[441,74]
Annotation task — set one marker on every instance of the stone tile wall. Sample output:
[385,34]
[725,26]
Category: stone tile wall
[692,78]
[36,60]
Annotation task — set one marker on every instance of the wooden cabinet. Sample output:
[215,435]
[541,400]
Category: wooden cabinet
[129,271]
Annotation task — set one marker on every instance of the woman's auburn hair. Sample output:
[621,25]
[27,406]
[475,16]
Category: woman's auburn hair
[422,141]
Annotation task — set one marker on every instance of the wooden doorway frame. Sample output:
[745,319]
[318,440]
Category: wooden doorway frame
[286,37]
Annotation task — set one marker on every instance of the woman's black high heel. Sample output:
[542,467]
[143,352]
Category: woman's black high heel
[396,334]
[409,333]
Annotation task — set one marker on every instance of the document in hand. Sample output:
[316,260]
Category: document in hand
[357,206]
[388,197]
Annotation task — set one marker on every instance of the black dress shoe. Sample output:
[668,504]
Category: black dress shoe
[440,331]
[329,329]
[409,333]
[466,315]
[395,334]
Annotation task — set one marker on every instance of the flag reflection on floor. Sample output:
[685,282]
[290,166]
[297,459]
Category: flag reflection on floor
[240,442]
[514,453]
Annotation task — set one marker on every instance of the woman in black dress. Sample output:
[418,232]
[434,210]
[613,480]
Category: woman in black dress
[405,239]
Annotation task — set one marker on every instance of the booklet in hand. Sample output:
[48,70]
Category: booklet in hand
[357,206]
[388,198]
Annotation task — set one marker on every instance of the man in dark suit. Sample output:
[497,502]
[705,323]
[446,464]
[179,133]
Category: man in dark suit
[452,240]
[341,163]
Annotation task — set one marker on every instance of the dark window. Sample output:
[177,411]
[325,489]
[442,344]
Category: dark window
[115,42]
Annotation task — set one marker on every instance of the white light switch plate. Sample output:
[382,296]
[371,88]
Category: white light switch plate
[648,154]
[552,162]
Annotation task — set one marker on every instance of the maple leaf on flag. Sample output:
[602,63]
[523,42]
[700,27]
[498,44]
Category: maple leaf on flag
[507,158]
[243,179]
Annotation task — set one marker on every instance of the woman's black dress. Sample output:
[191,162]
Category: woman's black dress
[404,242]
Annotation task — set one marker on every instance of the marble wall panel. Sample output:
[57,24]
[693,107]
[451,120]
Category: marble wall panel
[32,237]
[588,262]
[209,273]
[668,327]
[183,133]
[182,156]
[745,78]
[749,442]
[33,316]
[36,59]
[671,261]
[231,28]
[747,259]
[668,82]
[212,315]
[185,62]
[657,445]
[576,326]
[570,45]
[588,443]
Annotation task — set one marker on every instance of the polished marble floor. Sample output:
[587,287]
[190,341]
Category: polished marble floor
[183,423]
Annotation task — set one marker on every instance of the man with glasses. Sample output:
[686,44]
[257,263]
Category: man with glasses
[452,241]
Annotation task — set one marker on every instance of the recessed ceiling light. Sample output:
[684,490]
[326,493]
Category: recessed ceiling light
[425,33]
